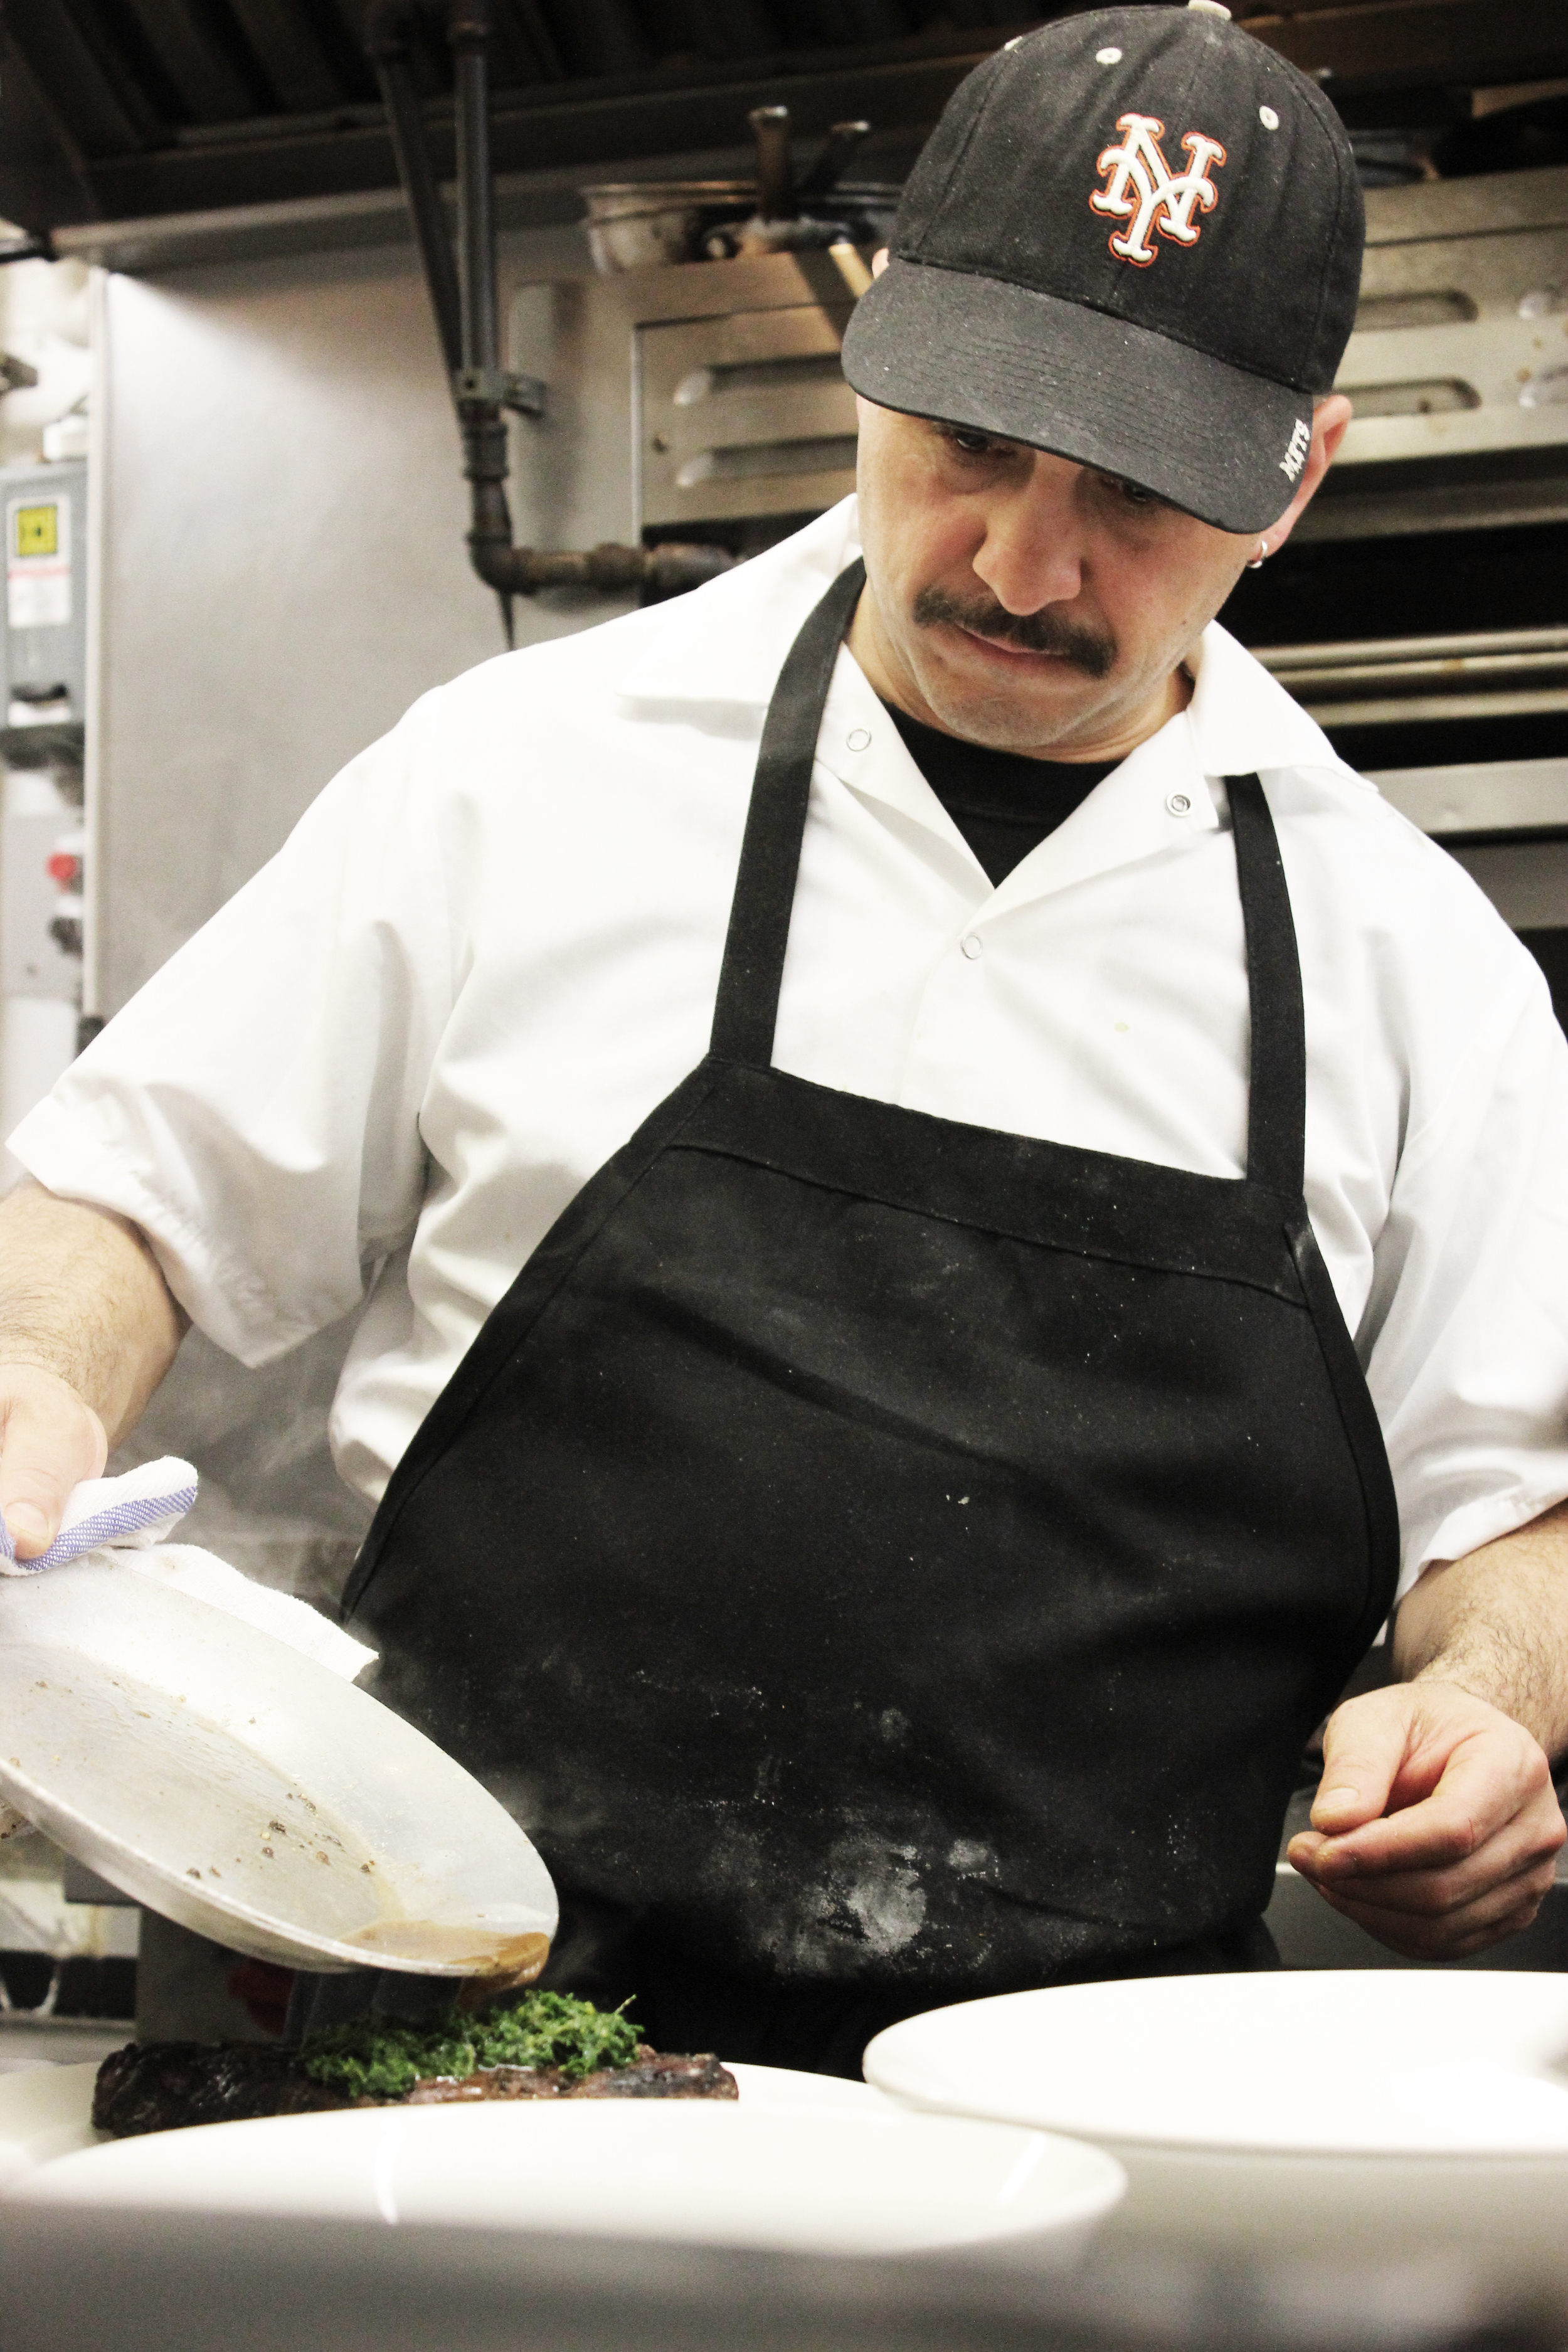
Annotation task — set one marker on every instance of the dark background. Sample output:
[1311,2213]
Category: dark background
[113,110]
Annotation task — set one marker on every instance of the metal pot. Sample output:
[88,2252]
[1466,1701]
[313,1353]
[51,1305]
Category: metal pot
[644,224]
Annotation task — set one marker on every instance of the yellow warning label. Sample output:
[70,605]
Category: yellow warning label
[38,531]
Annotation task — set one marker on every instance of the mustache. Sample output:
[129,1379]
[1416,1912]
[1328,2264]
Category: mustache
[1034,633]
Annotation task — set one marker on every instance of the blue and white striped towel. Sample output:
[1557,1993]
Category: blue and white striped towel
[137,1508]
[127,1518]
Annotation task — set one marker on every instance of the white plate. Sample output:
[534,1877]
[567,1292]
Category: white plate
[1385,2062]
[835,2171]
[1405,2118]
[231,1784]
[46,2111]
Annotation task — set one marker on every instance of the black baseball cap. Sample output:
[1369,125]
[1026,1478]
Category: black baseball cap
[1133,239]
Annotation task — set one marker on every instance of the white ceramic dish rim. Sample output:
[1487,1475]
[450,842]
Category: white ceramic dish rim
[46,2109]
[921,2083]
[795,2103]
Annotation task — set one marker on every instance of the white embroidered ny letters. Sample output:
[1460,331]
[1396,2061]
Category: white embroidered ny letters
[1139,188]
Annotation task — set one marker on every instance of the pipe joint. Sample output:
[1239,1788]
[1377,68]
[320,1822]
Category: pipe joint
[485,453]
[500,388]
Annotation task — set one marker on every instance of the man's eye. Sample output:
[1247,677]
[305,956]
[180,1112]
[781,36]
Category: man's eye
[969,445]
[1131,494]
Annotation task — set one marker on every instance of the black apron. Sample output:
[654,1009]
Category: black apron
[883,1560]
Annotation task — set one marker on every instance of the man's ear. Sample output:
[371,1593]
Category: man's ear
[1331,420]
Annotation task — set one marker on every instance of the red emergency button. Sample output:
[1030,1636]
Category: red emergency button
[64,868]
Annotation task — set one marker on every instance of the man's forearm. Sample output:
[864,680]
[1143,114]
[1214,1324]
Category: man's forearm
[82,1297]
[1495,1623]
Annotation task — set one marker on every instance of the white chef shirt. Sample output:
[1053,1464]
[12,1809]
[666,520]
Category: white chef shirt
[490,949]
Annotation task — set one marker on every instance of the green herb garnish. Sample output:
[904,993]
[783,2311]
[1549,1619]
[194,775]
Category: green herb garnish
[554,2029]
[371,2059]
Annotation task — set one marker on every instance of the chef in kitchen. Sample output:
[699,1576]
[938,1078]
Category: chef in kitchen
[953,1209]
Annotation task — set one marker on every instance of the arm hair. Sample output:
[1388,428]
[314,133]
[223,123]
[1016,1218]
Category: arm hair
[82,1297]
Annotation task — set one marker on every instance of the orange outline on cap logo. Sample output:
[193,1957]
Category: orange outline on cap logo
[1140,187]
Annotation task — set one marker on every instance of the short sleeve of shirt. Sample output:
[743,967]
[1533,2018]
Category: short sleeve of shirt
[1468,1311]
[255,1108]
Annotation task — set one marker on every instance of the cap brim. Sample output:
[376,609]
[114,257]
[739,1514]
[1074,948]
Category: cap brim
[980,351]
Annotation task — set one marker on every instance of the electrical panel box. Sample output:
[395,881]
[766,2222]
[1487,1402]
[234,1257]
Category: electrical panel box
[42,853]
[44,612]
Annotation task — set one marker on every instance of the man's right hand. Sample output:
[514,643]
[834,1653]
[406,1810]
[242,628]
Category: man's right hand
[49,1441]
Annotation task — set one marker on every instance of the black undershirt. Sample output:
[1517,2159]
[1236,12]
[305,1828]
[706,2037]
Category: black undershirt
[1002,802]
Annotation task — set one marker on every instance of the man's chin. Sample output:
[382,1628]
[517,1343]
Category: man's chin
[1025,714]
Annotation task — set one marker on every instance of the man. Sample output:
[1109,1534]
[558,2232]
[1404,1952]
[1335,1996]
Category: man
[894,1535]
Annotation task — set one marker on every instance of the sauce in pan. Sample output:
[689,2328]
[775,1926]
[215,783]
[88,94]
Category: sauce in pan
[502,1954]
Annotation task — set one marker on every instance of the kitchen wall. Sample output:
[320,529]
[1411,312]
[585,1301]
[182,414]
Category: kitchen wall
[282,565]
[281,570]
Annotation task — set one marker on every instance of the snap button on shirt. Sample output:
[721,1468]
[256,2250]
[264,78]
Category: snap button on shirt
[972,946]
[1179,803]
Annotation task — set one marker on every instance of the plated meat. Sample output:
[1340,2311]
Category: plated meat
[650,2076]
[166,2085]
[161,2085]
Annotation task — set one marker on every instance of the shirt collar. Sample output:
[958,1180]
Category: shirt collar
[726,644]
[1149,804]
[1238,721]
[1243,721]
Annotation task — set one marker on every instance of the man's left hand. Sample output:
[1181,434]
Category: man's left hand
[1436,1825]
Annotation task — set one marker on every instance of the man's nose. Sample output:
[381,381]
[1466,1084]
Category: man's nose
[1031,554]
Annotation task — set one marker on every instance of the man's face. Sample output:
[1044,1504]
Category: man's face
[1030,603]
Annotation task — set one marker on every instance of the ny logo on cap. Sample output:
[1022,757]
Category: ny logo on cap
[1140,187]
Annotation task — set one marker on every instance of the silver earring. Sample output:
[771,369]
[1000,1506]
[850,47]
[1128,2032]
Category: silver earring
[1257,562]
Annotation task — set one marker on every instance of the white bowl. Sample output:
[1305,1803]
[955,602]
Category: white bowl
[843,2175]
[1371,2108]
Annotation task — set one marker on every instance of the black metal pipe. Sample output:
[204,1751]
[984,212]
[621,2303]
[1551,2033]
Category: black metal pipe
[388,30]
[468,32]
[480,415]
[463,298]
[651,572]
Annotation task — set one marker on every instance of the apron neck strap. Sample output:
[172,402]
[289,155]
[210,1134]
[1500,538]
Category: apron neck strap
[1276,1095]
[746,1012]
